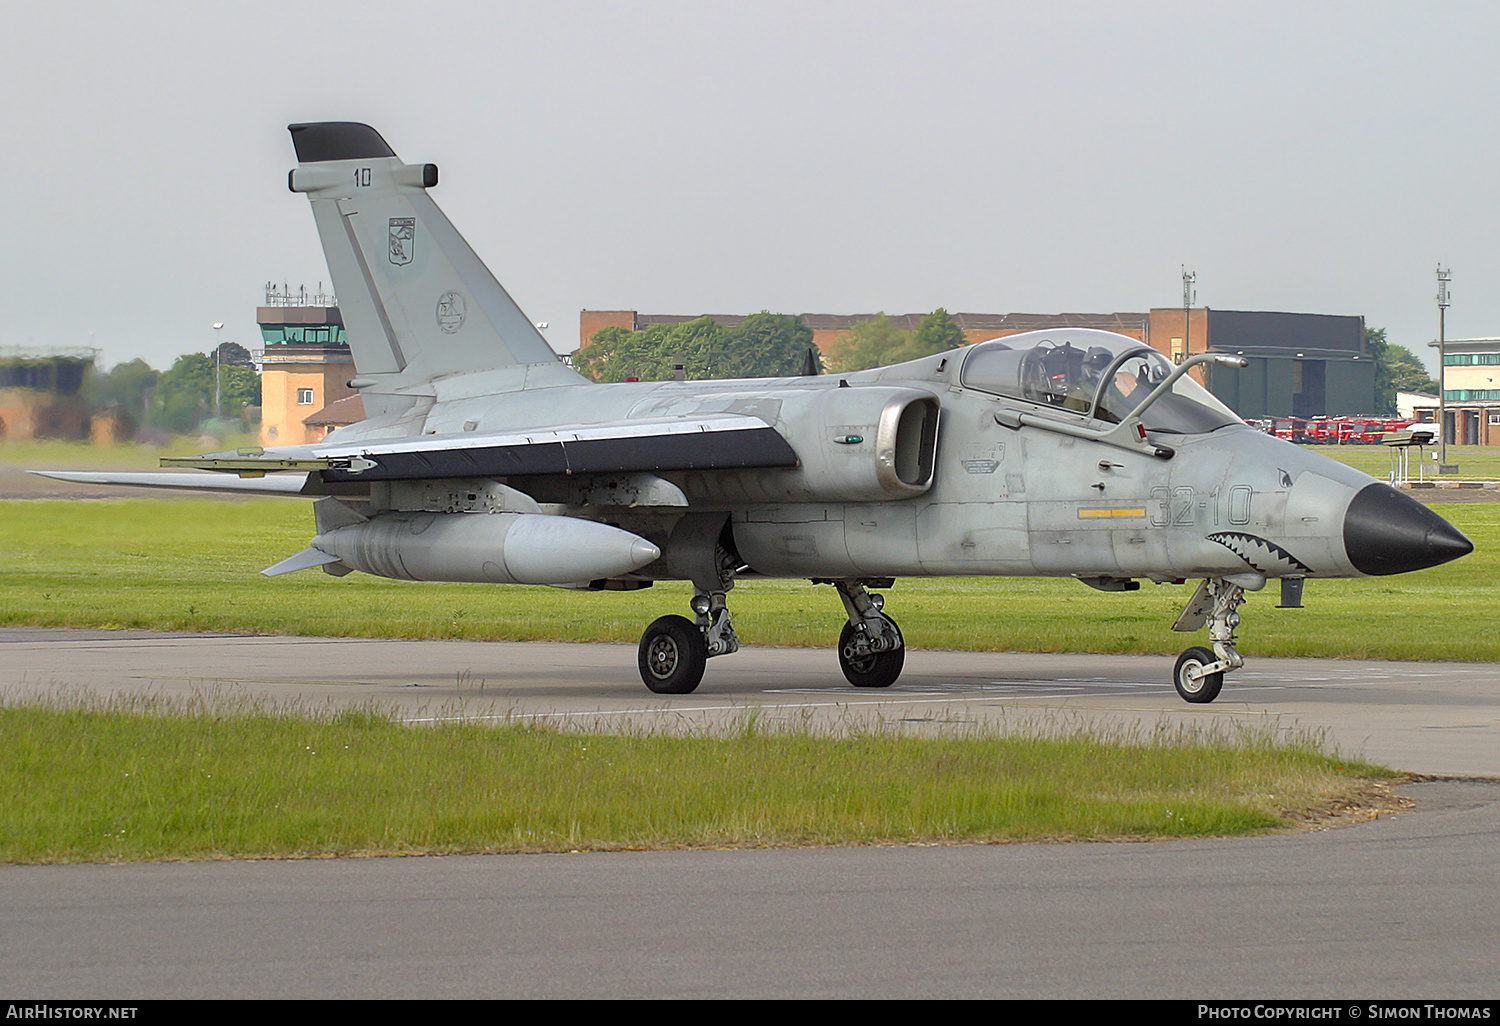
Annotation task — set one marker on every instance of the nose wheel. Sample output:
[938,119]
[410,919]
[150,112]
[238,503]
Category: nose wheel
[1191,682]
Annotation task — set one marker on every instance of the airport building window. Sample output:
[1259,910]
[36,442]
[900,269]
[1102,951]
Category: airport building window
[303,335]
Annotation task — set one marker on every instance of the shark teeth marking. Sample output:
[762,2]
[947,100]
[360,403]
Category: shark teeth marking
[1264,556]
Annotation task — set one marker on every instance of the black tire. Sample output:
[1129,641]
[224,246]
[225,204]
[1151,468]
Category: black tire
[876,670]
[1204,689]
[672,656]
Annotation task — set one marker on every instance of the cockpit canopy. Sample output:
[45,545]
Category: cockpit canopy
[1096,374]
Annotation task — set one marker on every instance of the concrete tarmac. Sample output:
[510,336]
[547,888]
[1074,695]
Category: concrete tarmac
[1433,718]
[1401,908]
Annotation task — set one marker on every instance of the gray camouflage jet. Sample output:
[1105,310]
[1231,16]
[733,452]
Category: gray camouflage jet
[1067,453]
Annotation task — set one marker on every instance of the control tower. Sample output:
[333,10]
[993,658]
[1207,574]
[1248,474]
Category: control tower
[305,366]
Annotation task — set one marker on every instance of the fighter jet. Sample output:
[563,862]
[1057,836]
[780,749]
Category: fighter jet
[1066,453]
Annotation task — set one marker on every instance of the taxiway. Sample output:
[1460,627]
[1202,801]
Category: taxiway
[1433,718]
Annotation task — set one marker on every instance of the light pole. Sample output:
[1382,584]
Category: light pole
[218,359]
[1443,278]
[1188,295]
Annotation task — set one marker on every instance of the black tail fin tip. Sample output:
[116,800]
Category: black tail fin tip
[337,140]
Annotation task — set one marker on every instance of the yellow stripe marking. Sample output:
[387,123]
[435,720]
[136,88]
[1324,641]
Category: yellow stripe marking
[1088,513]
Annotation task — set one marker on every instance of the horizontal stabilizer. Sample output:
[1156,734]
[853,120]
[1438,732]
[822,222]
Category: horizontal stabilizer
[192,481]
[304,560]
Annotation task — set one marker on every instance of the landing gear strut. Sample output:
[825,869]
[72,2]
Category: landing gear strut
[674,649]
[1199,673]
[871,649]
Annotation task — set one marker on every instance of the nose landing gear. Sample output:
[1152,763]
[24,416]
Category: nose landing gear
[1199,674]
[865,668]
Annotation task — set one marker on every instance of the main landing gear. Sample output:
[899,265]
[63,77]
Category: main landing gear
[674,649]
[1199,674]
[871,649]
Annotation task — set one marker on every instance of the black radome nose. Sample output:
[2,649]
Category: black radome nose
[1386,532]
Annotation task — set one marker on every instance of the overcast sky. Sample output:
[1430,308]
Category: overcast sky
[829,157]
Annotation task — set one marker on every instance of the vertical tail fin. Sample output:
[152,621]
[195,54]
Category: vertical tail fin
[417,302]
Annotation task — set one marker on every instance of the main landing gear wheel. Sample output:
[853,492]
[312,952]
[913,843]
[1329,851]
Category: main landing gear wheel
[672,656]
[873,670]
[1200,689]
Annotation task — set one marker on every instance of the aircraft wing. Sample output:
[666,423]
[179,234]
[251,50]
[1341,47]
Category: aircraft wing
[190,481]
[718,442]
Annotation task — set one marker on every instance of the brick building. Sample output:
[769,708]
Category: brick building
[1301,365]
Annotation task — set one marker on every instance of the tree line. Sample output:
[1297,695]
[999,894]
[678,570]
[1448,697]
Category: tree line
[1397,369]
[764,345]
[179,399]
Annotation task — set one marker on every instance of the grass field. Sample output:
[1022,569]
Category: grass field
[42,454]
[192,564]
[189,563]
[128,783]
[1474,463]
